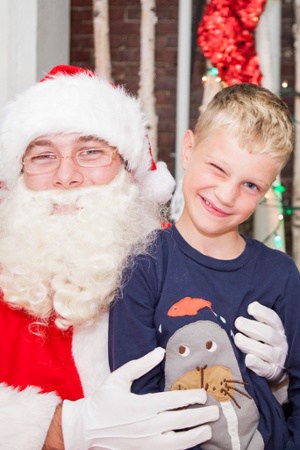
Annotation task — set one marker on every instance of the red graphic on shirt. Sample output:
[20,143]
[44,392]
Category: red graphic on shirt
[189,306]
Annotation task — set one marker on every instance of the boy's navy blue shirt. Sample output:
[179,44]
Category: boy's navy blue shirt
[186,302]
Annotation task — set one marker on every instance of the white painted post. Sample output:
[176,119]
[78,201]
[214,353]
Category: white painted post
[34,36]
[101,38]
[18,37]
[183,79]
[268,34]
[147,69]
[53,34]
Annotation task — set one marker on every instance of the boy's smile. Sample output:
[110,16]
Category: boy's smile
[222,186]
[211,208]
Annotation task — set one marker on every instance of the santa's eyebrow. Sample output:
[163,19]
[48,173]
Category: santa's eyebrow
[40,142]
[93,138]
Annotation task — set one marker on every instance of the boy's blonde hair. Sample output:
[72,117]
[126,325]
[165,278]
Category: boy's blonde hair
[258,118]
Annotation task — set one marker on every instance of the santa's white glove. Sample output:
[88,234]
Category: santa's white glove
[115,418]
[264,342]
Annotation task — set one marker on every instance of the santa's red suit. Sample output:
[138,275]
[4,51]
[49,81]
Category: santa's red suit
[40,366]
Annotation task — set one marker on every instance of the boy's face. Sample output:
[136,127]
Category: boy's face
[223,184]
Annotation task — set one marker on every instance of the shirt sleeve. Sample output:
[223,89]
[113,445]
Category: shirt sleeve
[289,310]
[132,331]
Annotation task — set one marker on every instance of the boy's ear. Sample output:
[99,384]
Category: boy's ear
[187,147]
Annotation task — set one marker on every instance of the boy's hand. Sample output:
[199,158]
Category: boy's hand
[264,342]
[115,418]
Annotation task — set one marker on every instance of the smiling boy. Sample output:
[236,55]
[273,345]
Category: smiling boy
[240,144]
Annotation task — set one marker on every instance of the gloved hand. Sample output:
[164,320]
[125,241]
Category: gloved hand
[115,418]
[264,342]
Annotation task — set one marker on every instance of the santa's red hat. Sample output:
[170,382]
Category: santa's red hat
[73,99]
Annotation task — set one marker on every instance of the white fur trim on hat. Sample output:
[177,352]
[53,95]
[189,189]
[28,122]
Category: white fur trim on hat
[82,103]
[158,184]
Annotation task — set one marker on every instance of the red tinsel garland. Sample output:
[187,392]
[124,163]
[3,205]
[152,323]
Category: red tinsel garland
[226,37]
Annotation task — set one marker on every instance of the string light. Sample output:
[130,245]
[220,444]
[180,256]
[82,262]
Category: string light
[286,91]
[274,234]
[279,188]
[214,71]
[277,240]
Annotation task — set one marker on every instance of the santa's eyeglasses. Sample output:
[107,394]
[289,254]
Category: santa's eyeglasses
[49,162]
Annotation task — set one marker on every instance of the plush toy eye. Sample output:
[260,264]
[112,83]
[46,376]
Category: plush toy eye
[211,346]
[183,350]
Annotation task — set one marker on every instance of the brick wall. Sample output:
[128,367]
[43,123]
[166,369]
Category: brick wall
[125,54]
[82,45]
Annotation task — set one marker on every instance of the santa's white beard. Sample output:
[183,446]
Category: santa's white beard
[62,253]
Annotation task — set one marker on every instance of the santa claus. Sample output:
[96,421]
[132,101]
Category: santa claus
[80,196]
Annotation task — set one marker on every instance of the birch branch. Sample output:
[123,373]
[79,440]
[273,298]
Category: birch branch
[101,38]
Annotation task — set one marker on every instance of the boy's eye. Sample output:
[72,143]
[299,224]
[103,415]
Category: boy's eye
[217,168]
[251,186]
